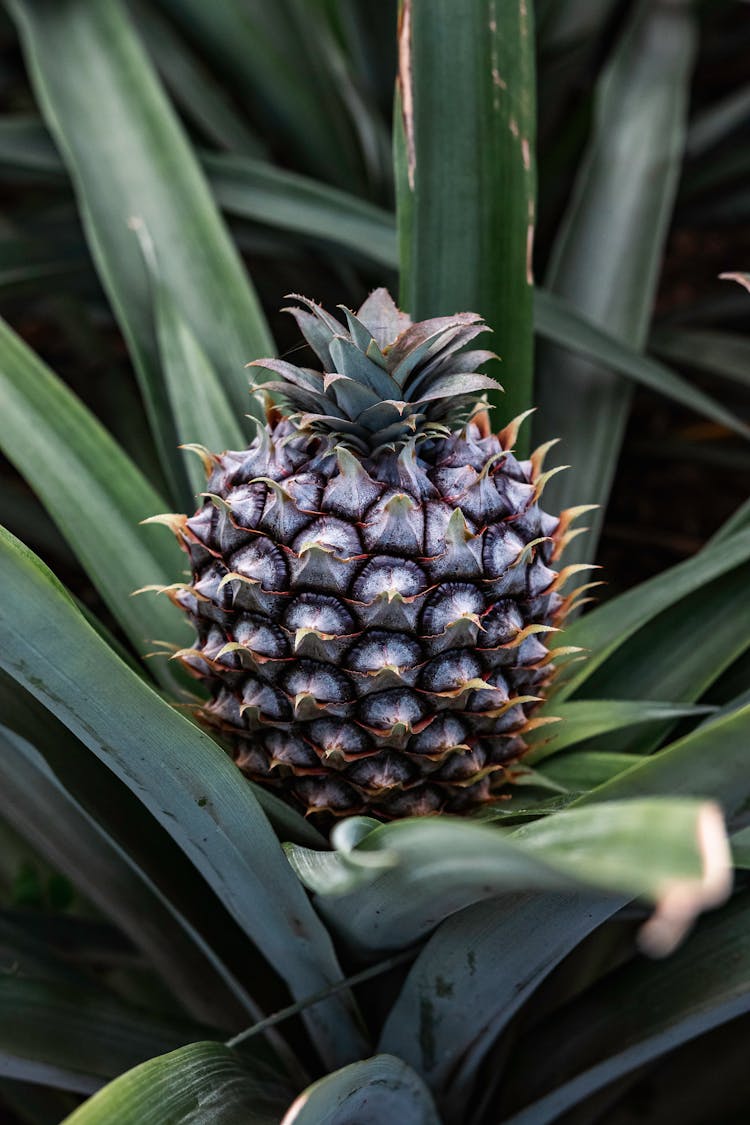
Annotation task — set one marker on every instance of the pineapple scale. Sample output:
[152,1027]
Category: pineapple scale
[372,628]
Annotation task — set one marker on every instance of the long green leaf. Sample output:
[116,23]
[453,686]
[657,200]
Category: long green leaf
[86,1036]
[180,775]
[581,770]
[607,255]
[741,848]
[466,221]
[35,256]
[33,799]
[712,761]
[199,94]
[253,189]
[563,25]
[243,186]
[559,322]
[738,521]
[686,1090]
[128,156]
[151,888]
[285,66]
[663,660]
[717,120]
[634,1017]
[95,494]
[256,190]
[55,1016]
[722,353]
[401,879]
[581,719]
[200,409]
[609,626]
[473,975]
[201,1084]
[26,146]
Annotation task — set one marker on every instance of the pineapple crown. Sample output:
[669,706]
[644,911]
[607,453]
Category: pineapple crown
[386,381]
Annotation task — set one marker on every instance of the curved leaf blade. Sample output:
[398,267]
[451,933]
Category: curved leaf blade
[200,94]
[492,956]
[95,494]
[466,240]
[559,322]
[55,1016]
[180,775]
[253,189]
[581,719]
[200,409]
[663,658]
[713,761]
[128,156]
[608,252]
[369,1092]
[721,353]
[201,1084]
[400,880]
[284,58]
[34,801]
[609,626]
[636,1015]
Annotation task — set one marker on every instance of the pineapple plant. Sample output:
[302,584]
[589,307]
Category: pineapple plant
[184,946]
[371,579]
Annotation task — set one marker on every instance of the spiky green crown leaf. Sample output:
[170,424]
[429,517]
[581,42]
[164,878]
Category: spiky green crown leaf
[385,379]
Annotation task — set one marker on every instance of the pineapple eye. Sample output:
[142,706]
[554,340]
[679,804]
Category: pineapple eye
[269,703]
[252,760]
[500,550]
[225,709]
[262,562]
[321,612]
[327,794]
[290,751]
[461,767]
[444,733]
[422,800]
[381,650]
[453,600]
[450,671]
[246,504]
[501,624]
[384,771]
[213,644]
[385,709]
[306,489]
[260,636]
[538,578]
[322,681]
[383,575]
[207,584]
[494,695]
[330,535]
[333,736]
[212,527]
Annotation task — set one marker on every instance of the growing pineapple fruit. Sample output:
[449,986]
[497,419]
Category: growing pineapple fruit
[372,578]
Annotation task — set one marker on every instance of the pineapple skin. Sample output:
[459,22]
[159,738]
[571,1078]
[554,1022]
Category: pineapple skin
[372,623]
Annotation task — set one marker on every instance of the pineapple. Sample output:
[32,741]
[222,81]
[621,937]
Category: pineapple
[372,579]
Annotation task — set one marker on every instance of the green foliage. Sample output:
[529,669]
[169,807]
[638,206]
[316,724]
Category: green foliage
[177,945]
[467,239]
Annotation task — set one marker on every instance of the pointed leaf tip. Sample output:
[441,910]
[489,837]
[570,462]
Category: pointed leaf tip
[741,278]
[682,901]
